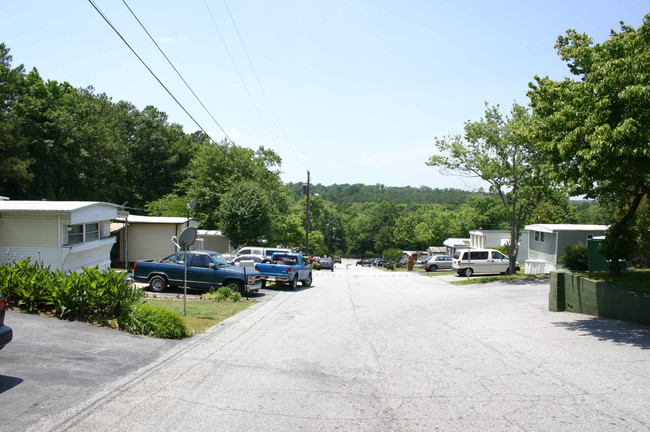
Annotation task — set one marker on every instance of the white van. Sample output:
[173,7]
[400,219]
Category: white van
[259,250]
[467,262]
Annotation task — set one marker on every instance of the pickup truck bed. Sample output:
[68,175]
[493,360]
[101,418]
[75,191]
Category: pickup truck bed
[285,268]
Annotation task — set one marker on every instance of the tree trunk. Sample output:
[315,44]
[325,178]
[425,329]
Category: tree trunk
[617,241]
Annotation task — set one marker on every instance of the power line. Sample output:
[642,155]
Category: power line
[176,70]
[258,80]
[148,68]
[241,77]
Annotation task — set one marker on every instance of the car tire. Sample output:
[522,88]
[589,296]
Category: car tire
[332,268]
[432,268]
[157,283]
[236,286]
[263,284]
[307,282]
[294,283]
[469,272]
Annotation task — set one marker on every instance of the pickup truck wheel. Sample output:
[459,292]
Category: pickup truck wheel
[307,282]
[157,283]
[294,283]
[236,286]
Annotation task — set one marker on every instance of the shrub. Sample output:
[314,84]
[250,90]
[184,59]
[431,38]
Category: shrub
[92,295]
[575,257]
[314,265]
[392,256]
[148,320]
[223,293]
[235,297]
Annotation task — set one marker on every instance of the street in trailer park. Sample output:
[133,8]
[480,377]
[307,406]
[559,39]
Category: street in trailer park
[362,349]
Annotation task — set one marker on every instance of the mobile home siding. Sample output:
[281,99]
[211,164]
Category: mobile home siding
[542,251]
[36,239]
[151,241]
[571,238]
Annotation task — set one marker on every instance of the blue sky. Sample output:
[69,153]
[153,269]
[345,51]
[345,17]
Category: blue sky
[359,89]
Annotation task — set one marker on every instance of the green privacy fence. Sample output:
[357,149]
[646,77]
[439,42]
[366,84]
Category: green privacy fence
[574,293]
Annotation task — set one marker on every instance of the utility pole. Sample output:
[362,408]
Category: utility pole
[307,218]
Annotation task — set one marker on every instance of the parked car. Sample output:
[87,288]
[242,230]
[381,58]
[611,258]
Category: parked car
[381,262]
[486,261]
[249,260]
[337,260]
[325,263]
[259,250]
[6,334]
[205,270]
[436,262]
[365,262]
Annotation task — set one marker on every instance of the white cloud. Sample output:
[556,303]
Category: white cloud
[174,40]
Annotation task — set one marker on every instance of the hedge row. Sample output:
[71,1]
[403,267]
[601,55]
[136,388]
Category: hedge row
[90,295]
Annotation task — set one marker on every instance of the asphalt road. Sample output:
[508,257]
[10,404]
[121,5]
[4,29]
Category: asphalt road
[361,350]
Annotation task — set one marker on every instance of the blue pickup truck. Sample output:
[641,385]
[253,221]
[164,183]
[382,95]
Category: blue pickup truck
[285,268]
[205,270]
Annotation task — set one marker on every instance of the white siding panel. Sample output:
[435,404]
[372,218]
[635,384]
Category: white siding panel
[94,213]
[97,256]
[47,256]
[28,231]
[151,241]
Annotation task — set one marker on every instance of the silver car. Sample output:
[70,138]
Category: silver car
[434,263]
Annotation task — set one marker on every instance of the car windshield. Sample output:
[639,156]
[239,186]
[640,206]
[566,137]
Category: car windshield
[218,259]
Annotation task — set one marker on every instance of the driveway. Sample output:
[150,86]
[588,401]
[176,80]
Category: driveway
[367,350]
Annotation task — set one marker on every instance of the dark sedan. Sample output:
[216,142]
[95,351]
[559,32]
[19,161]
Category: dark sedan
[364,262]
[6,334]
[325,263]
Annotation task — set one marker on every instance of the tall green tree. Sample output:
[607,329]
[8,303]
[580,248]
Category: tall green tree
[596,128]
[245,213]
[14,161]
[499,151]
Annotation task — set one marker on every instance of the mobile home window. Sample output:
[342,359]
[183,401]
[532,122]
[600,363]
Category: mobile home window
[539,236]
[83,233]
[75,234]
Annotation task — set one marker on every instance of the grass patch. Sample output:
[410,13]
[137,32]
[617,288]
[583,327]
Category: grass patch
[439,273]
[462,280]
[201,315]
[633,280]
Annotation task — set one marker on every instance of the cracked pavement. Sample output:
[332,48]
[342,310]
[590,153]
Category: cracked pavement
[367,350]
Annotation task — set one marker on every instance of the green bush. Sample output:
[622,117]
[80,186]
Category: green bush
[575,257]
[222,294]
[90,295]
[148,320]
[314,265]
[235,297]
[392,256]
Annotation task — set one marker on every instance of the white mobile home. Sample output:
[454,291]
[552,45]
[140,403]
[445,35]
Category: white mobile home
[547,243]
[482,239]
[64,235]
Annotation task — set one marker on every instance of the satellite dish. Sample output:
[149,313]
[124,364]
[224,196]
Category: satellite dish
[187,237]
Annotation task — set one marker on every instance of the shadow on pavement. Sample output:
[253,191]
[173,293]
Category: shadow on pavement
[606,329]
[8,382]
